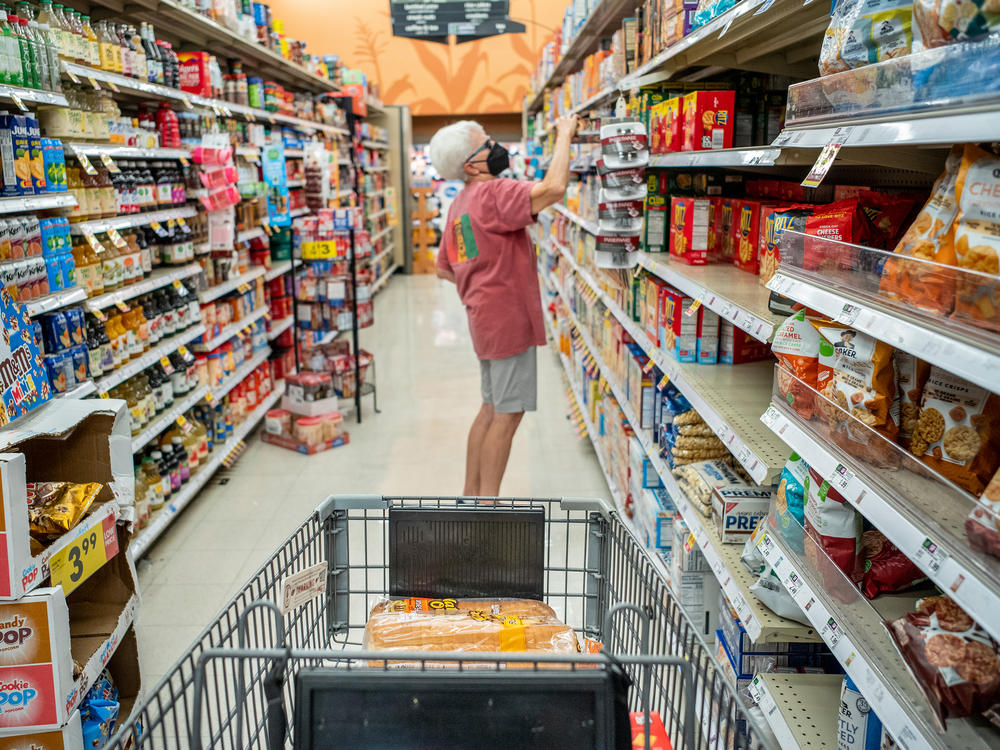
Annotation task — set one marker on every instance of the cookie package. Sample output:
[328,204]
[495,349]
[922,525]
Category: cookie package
[982,526]
[956,662]
[955,432]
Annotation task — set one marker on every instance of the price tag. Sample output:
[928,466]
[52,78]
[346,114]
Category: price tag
[17,100]
[755,689]
[101,317]
[167,367]
[841,479]
[663,382]
[826,157]
[110,164]
[650,364]
[267,228]
[122,306]
[931,555]
[93,82]
[183,225]
[209,397]
[183,423]
[831,633]
[243,288]
[116,238]
[158,228]
[794,583]
[105,393]
[111,85]
[186,100]
[250,117]
[71,75]
[182,350]
[184,162]
[181,289]
[770,417]
[732,17]
[690,543]
[92,241]
[85,163]
[765,545]
[81,558]
[171,223]
[693,309]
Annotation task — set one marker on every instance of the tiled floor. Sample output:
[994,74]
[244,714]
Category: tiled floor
[428,382]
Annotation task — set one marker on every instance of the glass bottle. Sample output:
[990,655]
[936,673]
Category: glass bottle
[138,54]
[150,468]
[133,261]
[154,61]
[64,33]
[91,42]
[93,346]
[46,16]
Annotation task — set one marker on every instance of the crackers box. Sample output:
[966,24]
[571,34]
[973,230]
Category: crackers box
[651,317]
[738,508]
[708,120]
[689,225]
[707,352]
[654,514]
[737,346]
[678,332]
[673,124]
[655,231]
[747,226]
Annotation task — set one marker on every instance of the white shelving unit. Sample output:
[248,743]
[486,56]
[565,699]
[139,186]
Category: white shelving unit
[133,220]
[163,421]
[37,202]
[797,708]
[148,359]
[55,300]
[232,330]
[161,277]
[214,292]
[381,280]
[278,327]
[379,235]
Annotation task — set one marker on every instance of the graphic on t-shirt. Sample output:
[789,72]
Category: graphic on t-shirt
[465,240]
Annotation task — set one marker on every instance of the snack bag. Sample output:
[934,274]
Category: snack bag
[790,503]
[796,345]
[911,374]
[56,507]
[429,606]
[983,524]
[977,237]
[940,22]
[955,662]
[774,223]
[836,528]
[855,372]
[929,237]
[886,569]
[839,34]
[957,430]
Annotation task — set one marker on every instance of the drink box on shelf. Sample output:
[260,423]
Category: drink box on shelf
[67,441]
[45,632]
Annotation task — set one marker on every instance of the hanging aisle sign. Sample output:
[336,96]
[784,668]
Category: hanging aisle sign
[435,20]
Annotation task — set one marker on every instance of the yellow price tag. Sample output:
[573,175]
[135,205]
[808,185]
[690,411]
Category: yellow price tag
[184,162]
[85,163]
[93,82]
[116,238]
[607,313]
[105,393]
[183,423]
[648,366]
[171,223]
[110,164]
[177,284]
[92,241]
[122,306]
[167,367]
[209,397]
[18,102]
[187,102]
[111,85]
[81,558]
[663,382]
[183,351]
[181,222]
[693,309]
[101,317]
[72,76]
[690,543]
[251,117]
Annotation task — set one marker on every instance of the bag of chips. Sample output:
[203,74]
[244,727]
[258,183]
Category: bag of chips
[796,346]
[834,525]
[957,430]
[56,507]
[911,374]
[886,569]
[955,662]
[790,503]
[977,238]
[925,285]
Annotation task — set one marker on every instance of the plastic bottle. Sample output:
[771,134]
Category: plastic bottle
[152,466]
[29,75]
[91,42]
[52,53]
[46,16]
[111,53]
[85,267]
[107,199]
[154,60]
[92,195]
[126,52]
[133,266]
[138,54]
[65,33]
[10,53]
[168,127]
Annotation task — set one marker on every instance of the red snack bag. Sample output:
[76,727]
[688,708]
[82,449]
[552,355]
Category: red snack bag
[796,346]
[886,569]
[836,528]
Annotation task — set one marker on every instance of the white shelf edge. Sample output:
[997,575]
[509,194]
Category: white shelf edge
[133,220]
[153,282]
[37,202]
[248,234]
[377,258]
[241,373]
[80,390]
[163,421]
[378,214]
[381,280]
[232,330]
[225,287]
[55,301]
[816,695]
[375,145]
[166,515]
[382,233]
[279,327]
[297,212]
[175,342]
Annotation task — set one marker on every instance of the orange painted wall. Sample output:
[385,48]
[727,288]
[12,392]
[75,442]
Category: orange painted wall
[485,76]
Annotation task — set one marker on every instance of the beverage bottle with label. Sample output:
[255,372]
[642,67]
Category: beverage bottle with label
[94,361]
[138,54]
[168,127]
[154,61]
[46,16]
[171,65]
[148,187]
[109,266]
[10,53]
[116,335]
[38,53]
[164,184]
[123,49]
[106,198]
[142,500]
[152,466]
[78,38]
[63,33]
[131,334]
[133,254]
[85,268]
[52,53]
[29,74]
[128,392]
[92,197]
[93,44]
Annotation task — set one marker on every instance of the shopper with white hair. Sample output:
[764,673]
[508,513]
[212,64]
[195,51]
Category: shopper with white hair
[486,252]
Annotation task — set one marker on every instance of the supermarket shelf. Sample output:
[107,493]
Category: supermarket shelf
[296,212]
[597,99]
[602,21]
[294,153]
[376,169]
[378,214]
[281,268]
[240,374]
[730,157]
[912,510]
[162,422]
[965,354]
[40,562]
[296,183]
[278,327]
[55,300]
[799,708]
[376,145]
[166,515]
[161,277]
[231,330]
[762,625]
[247,152]
[37,202]
[381,280]
[374,194]
[730,398]
[377,258]
[379,235]
[133,220]
[856,634]
[81,390]
[16,93]
[125,152]
[151,357]
[250,234]
[782,36]
[733,294]
[214,292]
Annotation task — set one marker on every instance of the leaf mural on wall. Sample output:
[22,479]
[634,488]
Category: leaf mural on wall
[368,49]
[466,77]
[398,88]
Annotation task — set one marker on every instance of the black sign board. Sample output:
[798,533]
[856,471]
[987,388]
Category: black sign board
[436,20]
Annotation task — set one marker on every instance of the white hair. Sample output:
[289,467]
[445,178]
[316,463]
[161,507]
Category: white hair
[452,145]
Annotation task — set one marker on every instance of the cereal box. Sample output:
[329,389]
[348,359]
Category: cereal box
[708,120]
[690,219]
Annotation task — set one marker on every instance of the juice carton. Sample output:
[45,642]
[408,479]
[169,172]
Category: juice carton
[22,155]
[35,154]
[708,120]
[690,218]
[9,155]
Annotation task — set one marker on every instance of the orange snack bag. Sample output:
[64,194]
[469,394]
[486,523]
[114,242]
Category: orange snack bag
[977,237]
[929,238]
[796,345]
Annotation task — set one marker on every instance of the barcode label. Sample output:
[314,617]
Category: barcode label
[718,138]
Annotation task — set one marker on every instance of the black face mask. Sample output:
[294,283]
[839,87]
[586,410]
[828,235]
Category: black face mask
[497,160]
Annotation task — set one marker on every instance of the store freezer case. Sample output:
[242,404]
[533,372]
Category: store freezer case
[286,658]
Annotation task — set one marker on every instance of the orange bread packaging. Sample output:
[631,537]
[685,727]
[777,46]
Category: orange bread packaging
[420,624]
[929,238]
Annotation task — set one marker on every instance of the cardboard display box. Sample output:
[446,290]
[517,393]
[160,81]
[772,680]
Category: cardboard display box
[310,408]
[293,445]
[45,632]
[74,441]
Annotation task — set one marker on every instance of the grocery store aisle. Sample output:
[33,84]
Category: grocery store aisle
[428,383]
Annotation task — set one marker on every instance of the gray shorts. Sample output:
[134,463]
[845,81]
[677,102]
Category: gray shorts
[511,384]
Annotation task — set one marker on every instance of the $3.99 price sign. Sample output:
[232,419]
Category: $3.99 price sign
[80,559]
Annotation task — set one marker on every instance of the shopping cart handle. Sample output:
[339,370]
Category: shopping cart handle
[589,504]
[333,503]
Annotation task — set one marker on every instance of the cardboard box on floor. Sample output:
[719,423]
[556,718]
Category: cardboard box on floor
[72,441]
[44,633]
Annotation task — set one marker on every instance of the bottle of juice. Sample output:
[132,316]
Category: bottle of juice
[109,267]
[154,61]
[92,43]
[10,53]
[117,343]
[94,362]
[92,195]
[141,499]
[200,435]
[52,53]
[29,74]
[65,33]
[79,36]
[86,269]
[152,473]
[143,327]
[139,54]
[45,16]
[107,199]
[133,260]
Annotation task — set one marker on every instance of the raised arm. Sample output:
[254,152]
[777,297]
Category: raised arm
[553,187]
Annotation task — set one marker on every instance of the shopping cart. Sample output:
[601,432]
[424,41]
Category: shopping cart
[258,677]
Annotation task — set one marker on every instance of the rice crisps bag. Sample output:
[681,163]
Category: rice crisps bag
[911,374]
[977,237]
[796,345]
[923,285]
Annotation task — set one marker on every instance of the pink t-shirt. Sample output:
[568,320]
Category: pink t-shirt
[487,247]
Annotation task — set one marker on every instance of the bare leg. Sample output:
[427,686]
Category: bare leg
[474,449]
[496,451]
